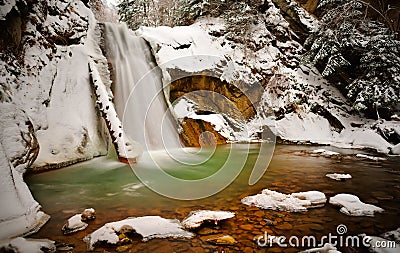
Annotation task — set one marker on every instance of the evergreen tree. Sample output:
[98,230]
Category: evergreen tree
[364,53]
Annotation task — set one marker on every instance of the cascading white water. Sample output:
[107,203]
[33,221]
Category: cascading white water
[137,88]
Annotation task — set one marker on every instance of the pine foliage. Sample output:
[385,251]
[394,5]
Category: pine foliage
[365,51]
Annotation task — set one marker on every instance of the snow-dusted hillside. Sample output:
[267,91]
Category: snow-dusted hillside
[306,109]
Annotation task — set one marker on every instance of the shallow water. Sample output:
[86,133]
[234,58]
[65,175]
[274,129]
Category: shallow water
[116,193]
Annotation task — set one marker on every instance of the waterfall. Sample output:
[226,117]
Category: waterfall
[138,95]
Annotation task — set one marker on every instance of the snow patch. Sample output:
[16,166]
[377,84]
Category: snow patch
[339,177]
[6,7]
[374,158]
[352,206]
[326,152]
[196,218]
[295,202]
[149,227]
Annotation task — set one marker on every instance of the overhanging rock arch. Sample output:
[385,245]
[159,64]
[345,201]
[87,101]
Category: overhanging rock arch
[245,97]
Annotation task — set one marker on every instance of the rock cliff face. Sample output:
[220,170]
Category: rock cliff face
[194,83]
[197,133]
[45,74]
[19,212]
[48,112]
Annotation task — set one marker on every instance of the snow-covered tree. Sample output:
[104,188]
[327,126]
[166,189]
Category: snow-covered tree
[136,13]
[103,11]
[360,52]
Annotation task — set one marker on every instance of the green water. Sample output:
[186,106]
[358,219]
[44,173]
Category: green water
[116,193]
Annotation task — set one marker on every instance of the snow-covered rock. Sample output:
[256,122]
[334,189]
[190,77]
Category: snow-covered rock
[149,227]
[295,202]
[395,150]
[18,137]
[363,138]
[47,102]
[19,213]
[74,224]
[393,235]
[316,198]
[338,176]
[327,248]
[374,158]
[326,152]
[49,80]
[6,7]
[196,218]
[378,244]
[88,214]
[22,245]
[351,205]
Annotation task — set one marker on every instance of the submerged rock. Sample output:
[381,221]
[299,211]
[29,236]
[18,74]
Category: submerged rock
[351,205]
[295,202]
[196,218]
[22,245]
[338,177]
[222,240]
[147,226]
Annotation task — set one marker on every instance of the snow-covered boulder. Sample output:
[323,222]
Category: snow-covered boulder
[149,227]
[316,198]
[19,213]
[363,138]
[353,206]
[76,222]
[338,176]
[295,202]
[22,245]
[196,218]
